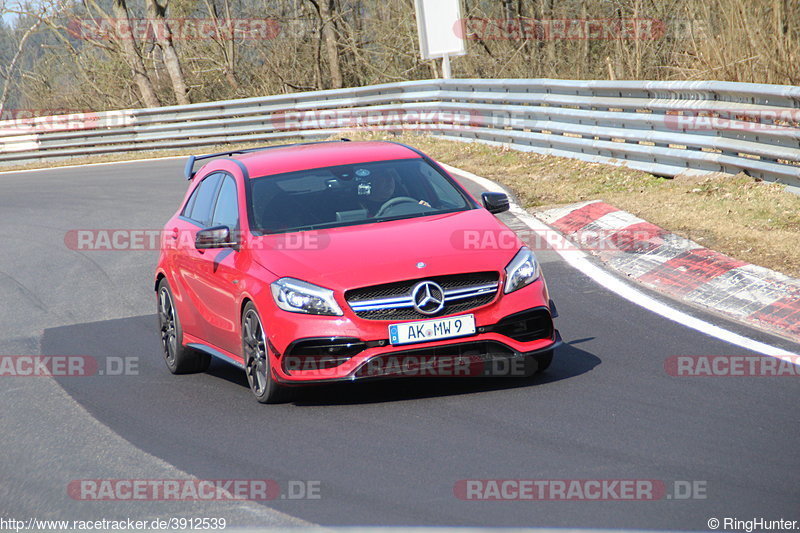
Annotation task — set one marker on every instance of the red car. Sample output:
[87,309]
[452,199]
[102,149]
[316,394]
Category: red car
[336,261]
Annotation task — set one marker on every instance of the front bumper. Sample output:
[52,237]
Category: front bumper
[509,347]
[476,358]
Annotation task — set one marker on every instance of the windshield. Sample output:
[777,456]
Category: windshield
[352,194]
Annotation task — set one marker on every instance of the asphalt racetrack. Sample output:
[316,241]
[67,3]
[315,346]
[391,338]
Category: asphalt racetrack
[384,453]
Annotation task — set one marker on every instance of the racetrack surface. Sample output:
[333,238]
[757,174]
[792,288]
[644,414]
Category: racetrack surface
[385,452]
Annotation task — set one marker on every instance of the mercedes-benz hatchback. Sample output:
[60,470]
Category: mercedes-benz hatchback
[337,261]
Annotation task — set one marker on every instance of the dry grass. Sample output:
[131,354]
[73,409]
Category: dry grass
[752,221]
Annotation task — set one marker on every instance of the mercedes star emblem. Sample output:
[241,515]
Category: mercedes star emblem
[428,297]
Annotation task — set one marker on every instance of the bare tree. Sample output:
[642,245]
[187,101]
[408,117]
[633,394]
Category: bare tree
[335,43]
[327,15]
[163,34]
[132,57]
[8,71]
[225,40]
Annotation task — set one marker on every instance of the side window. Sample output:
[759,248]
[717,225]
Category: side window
[190,204]
[445,194]
[199,206]
[226,212]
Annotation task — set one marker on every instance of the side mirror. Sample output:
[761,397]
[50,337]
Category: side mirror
[495,202]
[216,237]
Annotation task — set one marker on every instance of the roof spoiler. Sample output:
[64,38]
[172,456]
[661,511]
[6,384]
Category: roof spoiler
[188,170]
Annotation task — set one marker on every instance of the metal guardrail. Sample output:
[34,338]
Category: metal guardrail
[666,128]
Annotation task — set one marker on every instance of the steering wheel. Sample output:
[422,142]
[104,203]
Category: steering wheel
[395,202]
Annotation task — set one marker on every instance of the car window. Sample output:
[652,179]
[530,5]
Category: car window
[187,210]
[358,193]
[226,212]
[443,191]
[199,207]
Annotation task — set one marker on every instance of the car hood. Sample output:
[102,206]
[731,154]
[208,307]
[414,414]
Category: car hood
[369,254]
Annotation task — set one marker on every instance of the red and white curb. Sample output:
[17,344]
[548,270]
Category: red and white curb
[680,267]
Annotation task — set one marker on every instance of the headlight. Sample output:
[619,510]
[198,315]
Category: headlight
[300,297]
[521,271]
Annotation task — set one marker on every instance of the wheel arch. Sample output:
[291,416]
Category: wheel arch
[159,276]
[245,300]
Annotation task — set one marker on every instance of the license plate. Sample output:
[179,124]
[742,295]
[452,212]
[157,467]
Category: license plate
[431,330]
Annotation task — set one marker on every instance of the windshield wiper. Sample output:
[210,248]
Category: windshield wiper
[309,227]
[418,215]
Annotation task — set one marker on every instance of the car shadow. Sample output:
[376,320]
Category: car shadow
[568,362]
[114,343]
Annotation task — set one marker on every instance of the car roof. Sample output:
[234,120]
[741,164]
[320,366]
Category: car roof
[296,157]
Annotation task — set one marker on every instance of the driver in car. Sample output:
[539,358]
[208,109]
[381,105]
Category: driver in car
[381,191]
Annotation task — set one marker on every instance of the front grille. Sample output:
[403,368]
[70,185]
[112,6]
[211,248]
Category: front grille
[392,301]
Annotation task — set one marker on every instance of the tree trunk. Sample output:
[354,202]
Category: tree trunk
[163,34]
[326,11]
[134,60]
[230,53]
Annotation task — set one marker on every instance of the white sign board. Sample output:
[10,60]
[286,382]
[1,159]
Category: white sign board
[440,28]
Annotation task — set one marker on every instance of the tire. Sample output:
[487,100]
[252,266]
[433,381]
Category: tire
[255,352]
[179,358]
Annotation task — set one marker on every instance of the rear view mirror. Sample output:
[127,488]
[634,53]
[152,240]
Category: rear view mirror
[495,202]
